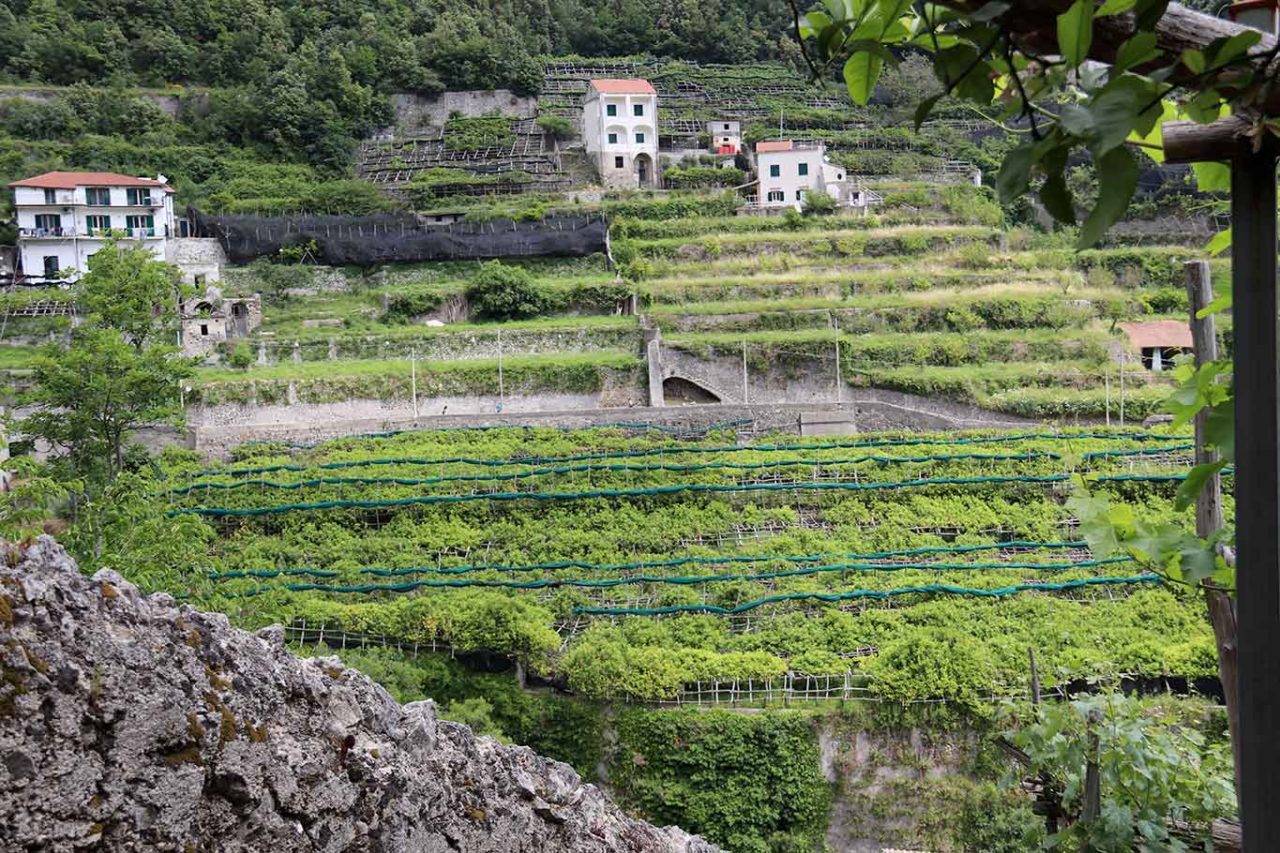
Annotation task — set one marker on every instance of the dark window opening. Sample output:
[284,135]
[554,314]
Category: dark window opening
[681,392]
[617,163]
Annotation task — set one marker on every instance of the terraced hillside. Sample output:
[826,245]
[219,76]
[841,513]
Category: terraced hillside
[929,296]
[635,563]
[948,305]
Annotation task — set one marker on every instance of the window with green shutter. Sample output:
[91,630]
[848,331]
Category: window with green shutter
[141,226]
[98,224]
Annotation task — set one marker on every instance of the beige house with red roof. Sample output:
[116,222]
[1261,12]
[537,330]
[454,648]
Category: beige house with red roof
[788,169]
[64,217]
[620,132]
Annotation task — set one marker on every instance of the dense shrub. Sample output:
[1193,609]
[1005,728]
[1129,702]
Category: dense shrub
[749,783]
[502,292]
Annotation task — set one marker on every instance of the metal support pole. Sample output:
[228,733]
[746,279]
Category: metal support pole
[413,379]
[839,384]
[746,397]
[502,393]
[1107,384]
[1122,358]
[1257,411]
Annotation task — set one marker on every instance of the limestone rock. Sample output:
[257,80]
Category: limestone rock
[128,723]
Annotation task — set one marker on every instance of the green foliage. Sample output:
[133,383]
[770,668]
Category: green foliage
[1153,768]
[464,134]
[749,783]
[992,821]
[115,376]
[503,292]
[556,126]
[30,501]
[931,664]
[702,177]
[818,203]
[241,356]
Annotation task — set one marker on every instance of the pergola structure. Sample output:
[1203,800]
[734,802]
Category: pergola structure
[1252,152]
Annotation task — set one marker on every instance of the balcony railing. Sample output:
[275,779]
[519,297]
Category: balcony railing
[62,233]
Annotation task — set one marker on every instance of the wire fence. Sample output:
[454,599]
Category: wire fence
[788,688]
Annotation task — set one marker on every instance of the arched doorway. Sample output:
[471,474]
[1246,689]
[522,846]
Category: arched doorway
[678,391]
[644,170]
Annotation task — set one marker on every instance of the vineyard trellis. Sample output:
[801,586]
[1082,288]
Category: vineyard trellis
[548,582]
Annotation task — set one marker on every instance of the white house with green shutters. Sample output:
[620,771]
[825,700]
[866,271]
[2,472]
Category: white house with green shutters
[620,132]
[64,217]
[787,170]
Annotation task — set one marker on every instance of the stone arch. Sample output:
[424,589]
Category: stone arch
[646,171]
[679,391]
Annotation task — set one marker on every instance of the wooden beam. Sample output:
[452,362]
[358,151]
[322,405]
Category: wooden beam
[1034,26]
[1189,142]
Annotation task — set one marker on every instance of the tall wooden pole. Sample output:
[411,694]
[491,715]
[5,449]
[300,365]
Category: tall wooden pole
[1222,609]
[1257,416]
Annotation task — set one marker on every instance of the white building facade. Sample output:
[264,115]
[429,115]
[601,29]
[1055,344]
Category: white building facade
[64,217]
[787,170]
[620,132]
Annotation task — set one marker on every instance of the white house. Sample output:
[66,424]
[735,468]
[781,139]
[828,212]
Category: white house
[726,136]
[788,169]
[620,132]
[64,217]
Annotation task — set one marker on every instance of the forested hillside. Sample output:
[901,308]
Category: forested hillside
[403,45]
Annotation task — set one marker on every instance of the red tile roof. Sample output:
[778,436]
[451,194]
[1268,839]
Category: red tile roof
[71,180]
[1158,333]
[774,145]
[607,86]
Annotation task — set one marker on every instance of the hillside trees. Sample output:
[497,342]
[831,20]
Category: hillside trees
[118,373]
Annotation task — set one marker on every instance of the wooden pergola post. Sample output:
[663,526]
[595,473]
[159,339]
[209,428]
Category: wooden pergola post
[1256,374]
[1257,492]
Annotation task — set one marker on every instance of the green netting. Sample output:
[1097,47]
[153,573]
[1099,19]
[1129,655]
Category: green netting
[871,594]
[695,449]
[668,467]
[714,488]
[607,583]
[380,571]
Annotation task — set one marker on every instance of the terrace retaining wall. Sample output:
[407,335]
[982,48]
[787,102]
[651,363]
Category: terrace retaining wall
[217,429]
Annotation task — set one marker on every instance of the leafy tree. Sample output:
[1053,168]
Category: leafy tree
[502,292]
[818,203]
[119,373]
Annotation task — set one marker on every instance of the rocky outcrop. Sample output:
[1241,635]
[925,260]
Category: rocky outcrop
[129,723]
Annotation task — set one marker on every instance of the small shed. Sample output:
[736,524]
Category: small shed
[1159,341]
[725,136]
